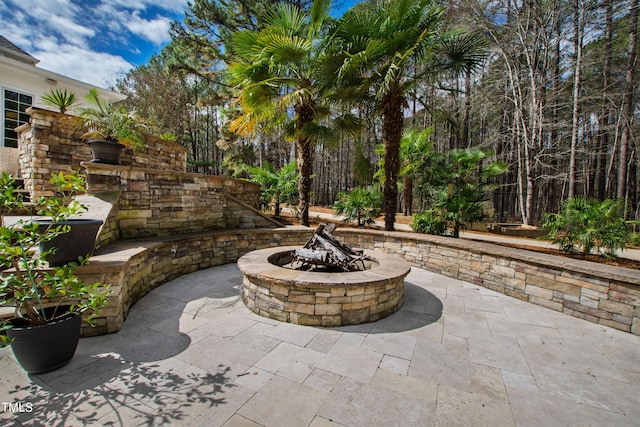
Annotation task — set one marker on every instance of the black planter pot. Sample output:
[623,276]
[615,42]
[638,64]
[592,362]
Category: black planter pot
[106,151]
[79,241]
[47,347]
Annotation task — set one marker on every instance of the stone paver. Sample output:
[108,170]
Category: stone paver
[192,354]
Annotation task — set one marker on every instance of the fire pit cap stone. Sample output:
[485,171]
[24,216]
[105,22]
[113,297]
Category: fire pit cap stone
[256,265]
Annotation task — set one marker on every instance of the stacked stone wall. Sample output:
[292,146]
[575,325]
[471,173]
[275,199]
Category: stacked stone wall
[50,143]
[156,203]
[599,293]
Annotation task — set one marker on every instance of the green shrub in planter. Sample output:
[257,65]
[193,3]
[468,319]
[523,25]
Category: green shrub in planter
[40,294]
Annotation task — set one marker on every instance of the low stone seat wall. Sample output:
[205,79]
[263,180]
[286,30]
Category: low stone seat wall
[598,293]
[134,267]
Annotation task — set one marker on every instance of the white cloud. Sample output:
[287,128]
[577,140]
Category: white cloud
[97,68]
[88,42]
[156,30]
[42,9]
[170,5]
[18,34]
[69,30]
[52,16]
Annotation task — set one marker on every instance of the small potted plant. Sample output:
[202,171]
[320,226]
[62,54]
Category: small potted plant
[111,128]
[48,302]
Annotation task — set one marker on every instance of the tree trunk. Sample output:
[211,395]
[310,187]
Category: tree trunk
[408,194]
[391,135]
[628,106]
[605,115]
[466,143]
[579,20]
[304,115]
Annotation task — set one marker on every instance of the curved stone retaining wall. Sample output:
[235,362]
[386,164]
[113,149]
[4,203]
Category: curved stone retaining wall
[598,293]
[135,267]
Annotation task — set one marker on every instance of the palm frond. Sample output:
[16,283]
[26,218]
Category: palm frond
[462,52]
[286,49]
[348,124]
[318,133]
[285,19]
[318,13]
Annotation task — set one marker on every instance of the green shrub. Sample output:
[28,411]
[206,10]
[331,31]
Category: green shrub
[277,186]
[32,285]
[361,205]
[461,181]
[429,222]
[585,224]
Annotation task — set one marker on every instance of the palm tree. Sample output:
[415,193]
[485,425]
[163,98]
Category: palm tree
[466,181]
[414,145]
[382,49]
[276,71]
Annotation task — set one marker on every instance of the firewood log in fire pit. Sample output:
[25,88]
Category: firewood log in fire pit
[324,250]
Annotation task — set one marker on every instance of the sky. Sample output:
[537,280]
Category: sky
[95,41]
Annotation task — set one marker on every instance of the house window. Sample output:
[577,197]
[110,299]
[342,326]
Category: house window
[15,106]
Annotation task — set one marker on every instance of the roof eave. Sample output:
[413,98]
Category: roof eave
[109,95]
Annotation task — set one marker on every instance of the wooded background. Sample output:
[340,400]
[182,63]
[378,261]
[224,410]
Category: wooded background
[555,98]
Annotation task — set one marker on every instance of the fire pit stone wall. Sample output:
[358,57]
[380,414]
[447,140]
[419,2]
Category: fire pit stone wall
[322,298]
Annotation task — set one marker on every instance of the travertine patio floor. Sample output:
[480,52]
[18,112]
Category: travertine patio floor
[190,353]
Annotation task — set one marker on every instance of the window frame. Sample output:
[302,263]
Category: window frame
[22,116]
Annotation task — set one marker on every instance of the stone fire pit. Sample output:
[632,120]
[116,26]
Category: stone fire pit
[314,298]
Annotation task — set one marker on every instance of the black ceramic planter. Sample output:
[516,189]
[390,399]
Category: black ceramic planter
[47,347]
[79,241]
[106,151]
